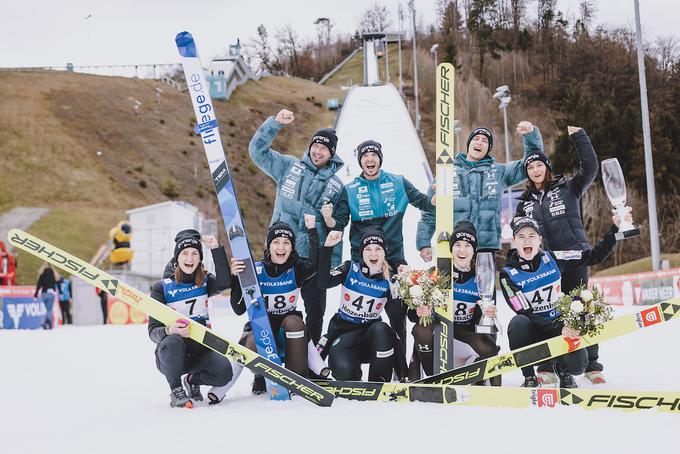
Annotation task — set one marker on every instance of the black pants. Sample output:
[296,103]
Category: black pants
[65,306]
[483,344]
[206,368]
[104,301]
[315,306]
[373,344]
[522,331]
[291,340]
[570,280]
[396,312]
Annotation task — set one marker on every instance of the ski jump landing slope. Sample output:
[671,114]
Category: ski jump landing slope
[379,113]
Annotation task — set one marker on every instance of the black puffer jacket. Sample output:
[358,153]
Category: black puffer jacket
[558,210]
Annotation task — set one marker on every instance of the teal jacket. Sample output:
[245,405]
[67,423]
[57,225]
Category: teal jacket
[301,187]
[478,195]
[381,202]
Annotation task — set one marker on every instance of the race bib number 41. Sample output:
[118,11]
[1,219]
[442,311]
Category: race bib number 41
[361,306]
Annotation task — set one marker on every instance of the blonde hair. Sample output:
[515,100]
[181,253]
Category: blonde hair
[386,270]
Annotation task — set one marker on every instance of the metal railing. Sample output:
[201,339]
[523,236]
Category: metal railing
[156,71]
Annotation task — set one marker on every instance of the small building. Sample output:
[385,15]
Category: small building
[153,234]
[228,72]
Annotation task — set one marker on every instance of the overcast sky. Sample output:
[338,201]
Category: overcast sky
[87,32]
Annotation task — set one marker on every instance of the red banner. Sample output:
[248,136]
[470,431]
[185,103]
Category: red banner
[639,288]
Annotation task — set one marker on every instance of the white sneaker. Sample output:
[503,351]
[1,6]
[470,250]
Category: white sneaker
[596,377]
[217,393]
[547,379]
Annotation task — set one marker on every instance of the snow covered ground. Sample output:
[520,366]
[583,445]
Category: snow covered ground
[96,389]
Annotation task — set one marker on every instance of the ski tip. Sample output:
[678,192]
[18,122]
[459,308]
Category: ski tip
[14,232]
[185,44]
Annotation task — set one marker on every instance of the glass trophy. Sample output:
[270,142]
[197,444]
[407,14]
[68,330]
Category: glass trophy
[485,266]
[615,186]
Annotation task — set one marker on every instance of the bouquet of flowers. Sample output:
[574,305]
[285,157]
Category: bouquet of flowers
[421,288]
[584,310]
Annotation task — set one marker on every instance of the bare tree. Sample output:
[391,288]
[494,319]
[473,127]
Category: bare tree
[587,8]
[289,47]
[260,52]
[375,19]
[518,9]
[667,51]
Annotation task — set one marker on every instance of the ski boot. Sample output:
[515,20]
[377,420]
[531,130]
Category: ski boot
[259,385]
[547,379]
[194,391]
[179,398]
[566,379]
[596,377]
[531,382]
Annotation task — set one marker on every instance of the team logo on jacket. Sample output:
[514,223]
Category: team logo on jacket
[289,186]
[556,205]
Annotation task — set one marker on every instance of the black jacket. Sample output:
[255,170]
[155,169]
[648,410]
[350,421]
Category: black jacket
[304,269]
[46,281]
[589,257]
[215,283]
[558,210]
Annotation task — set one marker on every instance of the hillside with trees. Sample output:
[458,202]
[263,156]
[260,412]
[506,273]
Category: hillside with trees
[562,70]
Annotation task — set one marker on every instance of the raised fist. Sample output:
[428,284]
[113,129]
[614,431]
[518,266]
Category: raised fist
[333,238]
[327,210]
[310,221]
[524,127]
[285,116]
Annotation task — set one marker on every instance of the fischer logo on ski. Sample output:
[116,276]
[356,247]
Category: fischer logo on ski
[168,316]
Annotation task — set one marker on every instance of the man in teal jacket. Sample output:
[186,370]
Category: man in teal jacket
[478,190]
[303,186]
[379,199]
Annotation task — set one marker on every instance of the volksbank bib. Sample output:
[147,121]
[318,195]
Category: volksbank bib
[541,288]
[188,299]
[281,293]
[362,299]
[465,297]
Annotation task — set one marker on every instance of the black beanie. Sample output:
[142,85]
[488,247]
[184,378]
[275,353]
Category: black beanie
[280,230]
[187,241]
[368,146]
[520,222]
[464,231]
[188,233]
[483,131]
[537,155]
[325,136]
[373,235]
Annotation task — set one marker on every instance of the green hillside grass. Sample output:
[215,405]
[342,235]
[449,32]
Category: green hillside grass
[53,123]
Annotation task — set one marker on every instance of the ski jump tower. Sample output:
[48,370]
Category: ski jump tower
[377,111]
[373,43]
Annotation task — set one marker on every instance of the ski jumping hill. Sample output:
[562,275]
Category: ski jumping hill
[379,113]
